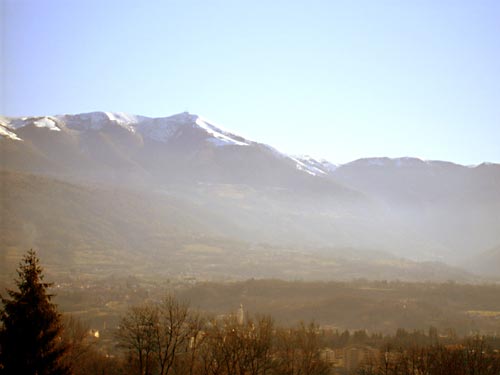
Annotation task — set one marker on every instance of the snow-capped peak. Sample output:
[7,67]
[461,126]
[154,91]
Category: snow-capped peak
[313,166]
[85,121]
[46,122]
[9,125]
[162,129]
[385,161]
[158,129]
[220,137]
[122,117]
[5,132]
[98,120]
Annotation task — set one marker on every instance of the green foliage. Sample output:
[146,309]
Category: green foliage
[30,336]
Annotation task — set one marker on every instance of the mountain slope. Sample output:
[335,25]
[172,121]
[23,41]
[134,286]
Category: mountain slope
[485,263]
[74,224]
[248,191]
[183,148]
[455,206]
[83,230]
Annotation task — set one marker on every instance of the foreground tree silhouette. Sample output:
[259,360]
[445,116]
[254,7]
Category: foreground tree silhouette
[30,335]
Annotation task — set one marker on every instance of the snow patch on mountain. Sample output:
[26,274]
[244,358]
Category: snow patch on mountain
[126,120]
[123,118]
[165,128]
[157,129]
[306,167]
[314,166]
[15,123]
[99,120]
[85,121]
[390,162]
[161,129]
[5,132]
[305,163]
[221,137]
[46,122]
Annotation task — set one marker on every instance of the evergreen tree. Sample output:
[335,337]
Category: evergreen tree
[30,335]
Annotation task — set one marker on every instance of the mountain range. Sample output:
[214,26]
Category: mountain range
[181,189]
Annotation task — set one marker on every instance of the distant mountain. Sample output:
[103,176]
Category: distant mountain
[455,206]
[115,147]
[485,263]
[224,185]
[315,167]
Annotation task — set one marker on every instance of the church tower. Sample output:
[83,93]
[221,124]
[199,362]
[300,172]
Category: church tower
[241,315]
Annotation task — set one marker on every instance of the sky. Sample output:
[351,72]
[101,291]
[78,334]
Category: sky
[338,80]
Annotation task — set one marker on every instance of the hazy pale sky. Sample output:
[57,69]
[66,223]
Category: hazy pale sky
[334,79]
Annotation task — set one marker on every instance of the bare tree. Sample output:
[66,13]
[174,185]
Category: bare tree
[299,352]
[173,334]
[472,357]
[211,352]
[162,337]
[137,334]
[188,363]
[257,337]
[77,339]
[232,347]
[83,357]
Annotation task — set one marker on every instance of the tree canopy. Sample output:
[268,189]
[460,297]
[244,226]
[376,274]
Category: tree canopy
[31,331]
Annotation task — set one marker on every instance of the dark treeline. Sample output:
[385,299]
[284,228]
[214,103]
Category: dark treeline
[402,338]
[472,356]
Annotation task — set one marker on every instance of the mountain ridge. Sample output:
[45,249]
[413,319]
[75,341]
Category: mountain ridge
[417,209]
[151,126]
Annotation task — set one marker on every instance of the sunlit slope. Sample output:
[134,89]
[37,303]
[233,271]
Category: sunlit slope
[98,230]
[248,191]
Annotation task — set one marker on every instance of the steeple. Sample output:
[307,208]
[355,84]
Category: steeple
[241,315]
